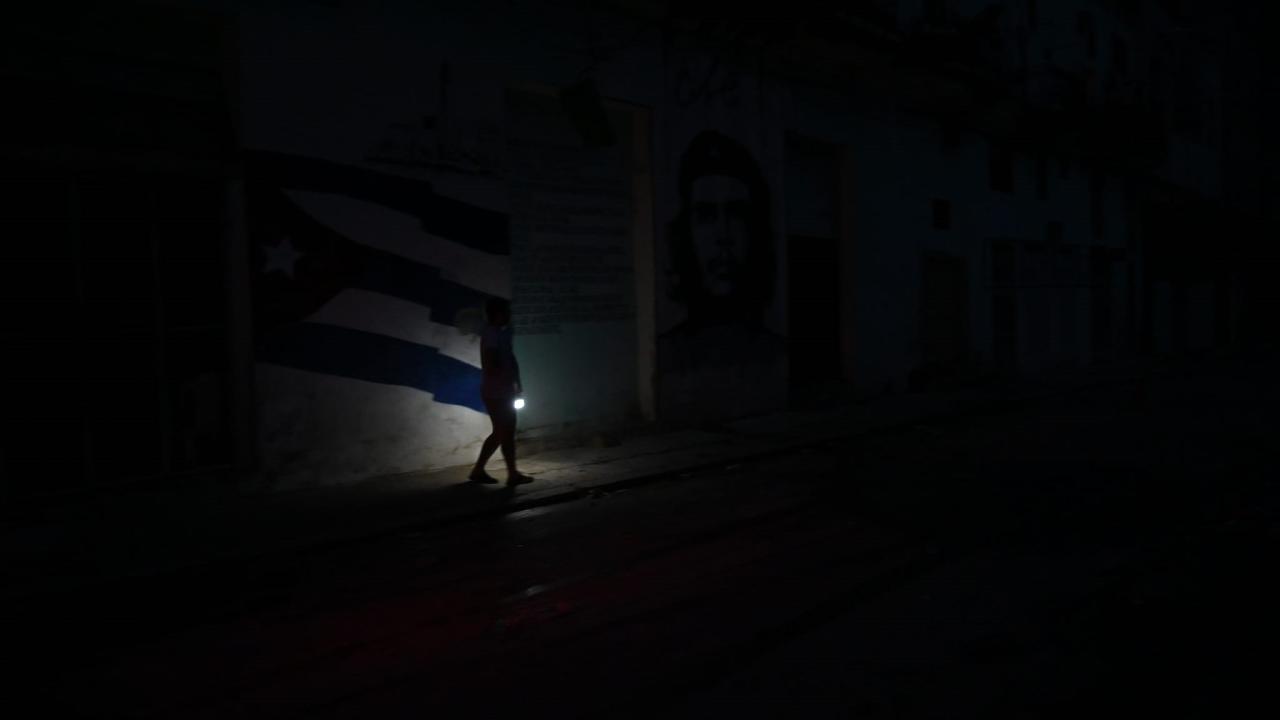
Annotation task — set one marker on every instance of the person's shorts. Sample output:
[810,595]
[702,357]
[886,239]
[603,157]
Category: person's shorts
[501,409]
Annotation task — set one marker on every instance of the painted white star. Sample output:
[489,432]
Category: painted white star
[281,256]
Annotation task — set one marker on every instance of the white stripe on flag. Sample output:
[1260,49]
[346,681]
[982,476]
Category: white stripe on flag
[402,234]
[385,315]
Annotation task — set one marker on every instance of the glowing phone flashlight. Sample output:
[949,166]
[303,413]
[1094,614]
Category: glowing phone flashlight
[519,403]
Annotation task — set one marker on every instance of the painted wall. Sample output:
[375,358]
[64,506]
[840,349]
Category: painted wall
[721,314]
[403,166]
[378,226]
[392,185]
[572,264]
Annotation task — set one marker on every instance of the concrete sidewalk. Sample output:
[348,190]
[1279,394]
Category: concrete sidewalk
[137,534]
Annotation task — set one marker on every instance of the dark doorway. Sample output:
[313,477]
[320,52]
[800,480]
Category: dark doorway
[1004,308]
[1180,312]
[814,310]
[115,293]
[114,275]
[1222,312]
[944,321]
[1100,290]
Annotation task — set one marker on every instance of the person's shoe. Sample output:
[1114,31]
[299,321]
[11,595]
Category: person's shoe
[519,479]
[482,477]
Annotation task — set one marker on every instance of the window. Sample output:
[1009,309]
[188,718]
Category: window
[941,214]
[1024,51]
[1119,56]
[1032,13]
[1002,264]
[1001,169]
[1042,177]
[1097,187]
[1131,11]
[1101,320]
[935,11]
[1084,26]
[1053,233]
[951,137]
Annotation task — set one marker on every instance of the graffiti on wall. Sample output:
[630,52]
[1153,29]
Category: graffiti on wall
[706,81]
[472,148]
[728,74]
[571,221]
[720,243]
[721,350]
[369,276]
[457,130]
[721,267]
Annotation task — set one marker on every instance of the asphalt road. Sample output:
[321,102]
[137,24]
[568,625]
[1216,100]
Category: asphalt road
[1106,551]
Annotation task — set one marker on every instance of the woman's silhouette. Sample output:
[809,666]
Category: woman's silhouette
[499,389]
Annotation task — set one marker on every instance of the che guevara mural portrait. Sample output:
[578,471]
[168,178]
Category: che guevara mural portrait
[721,347]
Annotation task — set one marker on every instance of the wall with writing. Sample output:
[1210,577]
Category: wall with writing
[573,284]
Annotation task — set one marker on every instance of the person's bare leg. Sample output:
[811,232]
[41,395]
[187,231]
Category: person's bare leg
[486,451]
[514,476]
[509,451]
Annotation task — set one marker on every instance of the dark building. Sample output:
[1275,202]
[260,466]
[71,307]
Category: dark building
[256,237]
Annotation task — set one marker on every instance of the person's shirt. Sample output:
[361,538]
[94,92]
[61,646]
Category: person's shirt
[498,362]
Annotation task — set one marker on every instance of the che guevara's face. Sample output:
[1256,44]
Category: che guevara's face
[718,226]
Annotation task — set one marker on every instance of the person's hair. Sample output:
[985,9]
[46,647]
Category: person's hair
[713,153]
[496,307]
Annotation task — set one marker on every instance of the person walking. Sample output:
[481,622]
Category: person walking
[499,388]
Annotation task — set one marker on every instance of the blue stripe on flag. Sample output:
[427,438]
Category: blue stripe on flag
[375,358]
[393,275]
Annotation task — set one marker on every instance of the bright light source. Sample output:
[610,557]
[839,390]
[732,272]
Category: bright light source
[519,403]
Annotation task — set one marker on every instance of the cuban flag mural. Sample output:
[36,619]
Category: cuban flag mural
[368,293]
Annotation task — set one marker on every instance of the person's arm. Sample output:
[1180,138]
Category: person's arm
[515,366]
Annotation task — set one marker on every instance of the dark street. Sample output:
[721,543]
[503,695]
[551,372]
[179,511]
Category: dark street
[1106,550]
[616,359]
